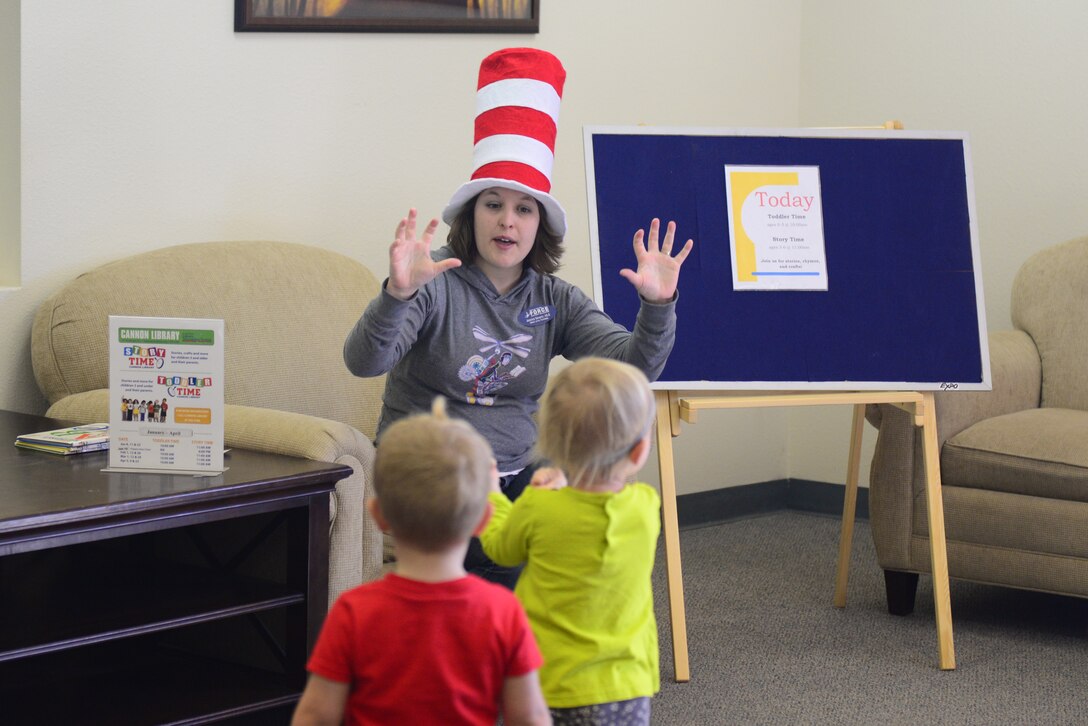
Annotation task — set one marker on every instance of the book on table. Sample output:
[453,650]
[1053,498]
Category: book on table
[70,440]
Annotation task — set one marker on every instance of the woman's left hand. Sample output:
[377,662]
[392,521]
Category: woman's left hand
[658,270]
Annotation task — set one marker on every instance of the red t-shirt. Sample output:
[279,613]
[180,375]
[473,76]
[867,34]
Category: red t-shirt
[417,652]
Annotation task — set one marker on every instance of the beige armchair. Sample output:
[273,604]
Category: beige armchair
[1014,460]
[287,309]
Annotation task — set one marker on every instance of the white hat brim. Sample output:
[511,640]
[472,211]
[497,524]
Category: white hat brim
[555,217]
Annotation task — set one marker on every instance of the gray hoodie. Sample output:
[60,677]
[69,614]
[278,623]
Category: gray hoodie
[489,354]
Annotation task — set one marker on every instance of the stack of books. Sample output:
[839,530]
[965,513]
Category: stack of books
[73,440]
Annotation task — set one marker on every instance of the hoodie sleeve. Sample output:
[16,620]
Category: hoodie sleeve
[386,331]
[590,331]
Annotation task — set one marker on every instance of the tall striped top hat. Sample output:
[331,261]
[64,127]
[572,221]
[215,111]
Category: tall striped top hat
[517,115]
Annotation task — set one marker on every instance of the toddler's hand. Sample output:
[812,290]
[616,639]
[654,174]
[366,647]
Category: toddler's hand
[494,477]
[548,477]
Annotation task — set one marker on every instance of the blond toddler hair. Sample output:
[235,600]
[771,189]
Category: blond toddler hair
[431,478]
[592,414]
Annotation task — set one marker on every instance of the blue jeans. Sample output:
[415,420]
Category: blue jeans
[476,562]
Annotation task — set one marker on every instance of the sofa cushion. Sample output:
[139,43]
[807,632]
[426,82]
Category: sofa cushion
[1040,452]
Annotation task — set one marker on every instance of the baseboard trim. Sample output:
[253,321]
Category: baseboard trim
[722,505]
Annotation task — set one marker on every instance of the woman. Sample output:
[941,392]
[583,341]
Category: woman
[479,320]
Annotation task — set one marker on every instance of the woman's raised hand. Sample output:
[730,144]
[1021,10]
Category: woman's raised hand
[410,263]
[658,270]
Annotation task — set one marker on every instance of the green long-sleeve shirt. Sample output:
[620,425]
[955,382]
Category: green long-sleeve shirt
[585,587]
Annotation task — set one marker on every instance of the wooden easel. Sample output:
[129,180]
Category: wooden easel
[672,406]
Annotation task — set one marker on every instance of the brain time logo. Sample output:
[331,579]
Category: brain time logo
[139,357]
[184,386]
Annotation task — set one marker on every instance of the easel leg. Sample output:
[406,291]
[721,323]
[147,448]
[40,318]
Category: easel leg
[849,506]
[671,527]
[937,543]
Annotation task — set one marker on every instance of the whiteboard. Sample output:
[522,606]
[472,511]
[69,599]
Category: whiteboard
[903,307]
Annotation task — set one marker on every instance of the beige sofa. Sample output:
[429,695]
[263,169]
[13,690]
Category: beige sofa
[1014,461]
[287,309]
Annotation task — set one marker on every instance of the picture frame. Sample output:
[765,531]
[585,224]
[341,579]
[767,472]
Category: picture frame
[387,16]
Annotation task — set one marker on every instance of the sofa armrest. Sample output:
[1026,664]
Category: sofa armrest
[355,542]
[1017,376]
[82,408]
[897,473]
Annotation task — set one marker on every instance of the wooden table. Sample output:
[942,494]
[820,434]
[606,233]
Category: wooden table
[157,598]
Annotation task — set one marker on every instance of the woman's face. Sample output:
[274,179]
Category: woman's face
[506,223]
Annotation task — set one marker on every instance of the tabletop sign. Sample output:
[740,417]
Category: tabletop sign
[166,394]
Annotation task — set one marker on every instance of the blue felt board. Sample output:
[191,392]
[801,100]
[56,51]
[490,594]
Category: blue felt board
[903,309]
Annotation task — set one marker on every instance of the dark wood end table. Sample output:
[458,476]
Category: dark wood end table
[157,598]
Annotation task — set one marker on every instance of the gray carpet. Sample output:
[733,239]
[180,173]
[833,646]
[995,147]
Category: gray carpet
[766,646]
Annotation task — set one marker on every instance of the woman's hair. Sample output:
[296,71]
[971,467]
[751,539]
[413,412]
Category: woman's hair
[543,257]
[591,415]
[431,476]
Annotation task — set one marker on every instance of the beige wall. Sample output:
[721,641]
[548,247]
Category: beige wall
[1010,73]
[9,143]
[147,124]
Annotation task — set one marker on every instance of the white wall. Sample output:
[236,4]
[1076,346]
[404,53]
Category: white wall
[147,124]
[1011,74]
[9,143]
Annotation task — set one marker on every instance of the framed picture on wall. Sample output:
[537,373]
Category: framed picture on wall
[387,16]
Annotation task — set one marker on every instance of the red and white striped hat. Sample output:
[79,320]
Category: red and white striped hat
[517,116]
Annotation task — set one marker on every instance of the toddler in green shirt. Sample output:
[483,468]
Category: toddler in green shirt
[587,537]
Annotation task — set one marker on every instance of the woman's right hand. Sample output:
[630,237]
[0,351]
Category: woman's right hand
[410,263]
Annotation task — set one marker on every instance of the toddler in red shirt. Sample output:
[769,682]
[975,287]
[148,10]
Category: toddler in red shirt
[428,643]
